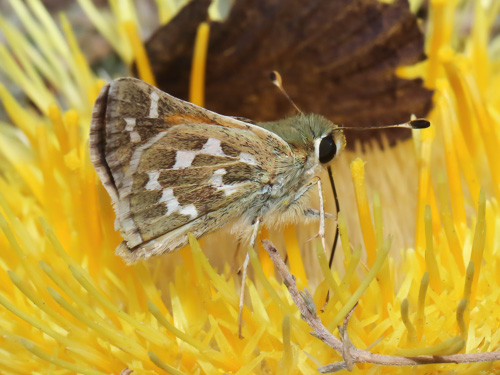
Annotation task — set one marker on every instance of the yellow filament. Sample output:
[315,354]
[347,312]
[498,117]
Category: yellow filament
[76,368]
[216,356]
[166,10]
[358,176]
[56,244]
[461,311]
[41,98]
[370,276]
[327,273]
[449,346]
[177,332]
[460,146]
[20,67]
[73,296]
[377,218]
[187,257]
[59,128]
[351,268]
[51,186]
[31,271]
[442,28]
[480,60]
[425,193]
[108,28]
[464,84]
[35,322]
[50,27]
[486,126]
[197,256]
[384,277]
[197,82]
[420,319]
[412,333]
[79,66]
[449,228]
[17,114]
[287,360]
[259,275]
[148,331]
[455,184]
[71,121]
[114,336]
[430,256]
[219,357]
[463,108]
[46,36]
[141,57]
[344,239]
[42,305]
[469,277]
[253,341]
[248,368]
[225,344]
[294,257]
[478,245]
[158,362]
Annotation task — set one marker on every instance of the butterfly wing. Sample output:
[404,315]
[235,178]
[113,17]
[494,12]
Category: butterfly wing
[171,167]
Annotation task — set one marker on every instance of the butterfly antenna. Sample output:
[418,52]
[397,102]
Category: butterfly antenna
[278,82]
[418,123]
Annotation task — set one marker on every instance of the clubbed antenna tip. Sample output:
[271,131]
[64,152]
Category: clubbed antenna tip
[419,124]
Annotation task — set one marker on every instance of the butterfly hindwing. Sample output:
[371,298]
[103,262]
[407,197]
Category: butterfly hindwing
[171,167]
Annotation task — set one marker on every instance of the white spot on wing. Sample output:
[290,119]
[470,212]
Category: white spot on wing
[173,204]
[189,210]
[183,159]
[153,183]
[130,123]
[216,182]
[134,136]
[245,157]
[212,147]
[230,189]
[153,109]
[170,201]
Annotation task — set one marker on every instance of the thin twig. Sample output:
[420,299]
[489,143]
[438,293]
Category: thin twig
[346,342]
[353,354]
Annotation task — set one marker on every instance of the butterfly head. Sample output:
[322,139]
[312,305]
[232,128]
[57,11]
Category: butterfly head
[311,135]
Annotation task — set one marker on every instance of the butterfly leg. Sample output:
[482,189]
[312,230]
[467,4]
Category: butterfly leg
[303,190]
[321,232]
[311,213]
[244,275]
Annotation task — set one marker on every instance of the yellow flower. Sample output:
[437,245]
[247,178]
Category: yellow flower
[69,305]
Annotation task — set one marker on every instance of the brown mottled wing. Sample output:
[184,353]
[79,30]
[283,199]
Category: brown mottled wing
[171,167]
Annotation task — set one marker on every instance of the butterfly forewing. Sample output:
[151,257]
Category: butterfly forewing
[171,167]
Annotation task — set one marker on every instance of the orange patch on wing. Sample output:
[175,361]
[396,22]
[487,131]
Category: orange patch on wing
[180,119]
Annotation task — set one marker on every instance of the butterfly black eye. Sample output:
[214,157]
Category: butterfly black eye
[327,149]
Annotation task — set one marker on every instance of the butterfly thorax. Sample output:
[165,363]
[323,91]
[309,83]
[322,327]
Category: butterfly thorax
[295,174]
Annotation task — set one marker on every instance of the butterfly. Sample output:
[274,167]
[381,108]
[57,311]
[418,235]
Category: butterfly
[173,168]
